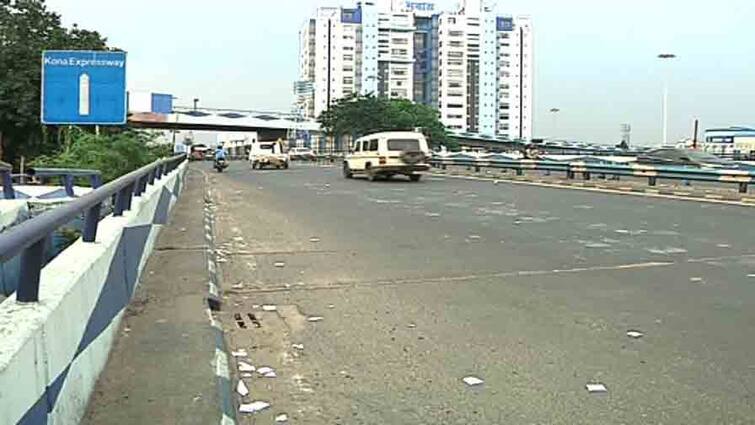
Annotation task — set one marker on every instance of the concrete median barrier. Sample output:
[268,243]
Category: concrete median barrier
[53,351]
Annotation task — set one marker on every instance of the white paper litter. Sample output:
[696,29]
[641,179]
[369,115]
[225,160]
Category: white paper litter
[246,367]
[314,318]
[297,346]
[246,375]
[270,375]
[723,245]
[239,353]
[314,239]
[472,380]
[269,307]
[596,388]
[242,389]
[332,306]
[281,418]
[279,264]
[411,326]
[254,407]
[264,370]
[635,334]
[695,279]
[474,237]
[751,275]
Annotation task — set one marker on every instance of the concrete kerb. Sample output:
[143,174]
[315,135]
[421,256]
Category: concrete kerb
[53,351]
[214,303]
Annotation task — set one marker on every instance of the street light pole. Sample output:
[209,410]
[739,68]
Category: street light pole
[555,111]
[195,103]
[666,78]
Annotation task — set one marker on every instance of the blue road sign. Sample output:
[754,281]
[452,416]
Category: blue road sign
[83,87]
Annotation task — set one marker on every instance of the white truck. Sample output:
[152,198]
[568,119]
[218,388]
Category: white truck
[268,154]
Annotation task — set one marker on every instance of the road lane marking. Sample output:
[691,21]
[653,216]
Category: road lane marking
[463,278]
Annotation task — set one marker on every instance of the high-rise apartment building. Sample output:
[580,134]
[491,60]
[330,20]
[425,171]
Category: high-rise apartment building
[476,67]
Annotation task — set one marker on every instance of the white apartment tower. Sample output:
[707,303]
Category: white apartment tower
[474,66]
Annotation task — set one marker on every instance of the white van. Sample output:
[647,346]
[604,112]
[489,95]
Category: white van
[387,154]
[270,154]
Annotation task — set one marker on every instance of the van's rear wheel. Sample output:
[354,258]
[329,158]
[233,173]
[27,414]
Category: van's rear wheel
[371,175]
[347,171]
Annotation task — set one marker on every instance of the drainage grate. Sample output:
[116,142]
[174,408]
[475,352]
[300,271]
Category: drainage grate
[239,320]
[254,320]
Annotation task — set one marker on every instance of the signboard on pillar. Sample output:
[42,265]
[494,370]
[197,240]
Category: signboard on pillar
[83,87]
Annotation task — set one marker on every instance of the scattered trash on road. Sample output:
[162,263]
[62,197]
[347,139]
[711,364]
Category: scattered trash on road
[239,285]
[247,375]
[635,334]
[314,239]
[246,367]
[239,353]
[331,306]
[281,418]
[596,388]
[242,389]
[254,407]
[695,279]
[411,326]
[297,346]
[472,381]
[279,264]
[597,245]
[622,231]
[723,245]
[431,214]
[267,372]
[269,307]
[314,319]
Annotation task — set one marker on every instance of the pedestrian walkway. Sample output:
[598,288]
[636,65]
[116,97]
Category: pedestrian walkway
[160,370]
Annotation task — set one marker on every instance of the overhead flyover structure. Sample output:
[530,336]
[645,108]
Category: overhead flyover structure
[268,125]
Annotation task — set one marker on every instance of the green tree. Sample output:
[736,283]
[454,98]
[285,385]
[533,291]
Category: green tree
[113,154]
[26,29]
[358,115]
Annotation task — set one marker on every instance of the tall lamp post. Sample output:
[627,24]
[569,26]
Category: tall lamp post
[554,112]
[666,57]
[195,103]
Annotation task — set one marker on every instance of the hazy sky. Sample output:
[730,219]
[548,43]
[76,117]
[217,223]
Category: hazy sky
[595,59]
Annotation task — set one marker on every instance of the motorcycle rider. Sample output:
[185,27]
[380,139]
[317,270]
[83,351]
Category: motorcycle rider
[219,154]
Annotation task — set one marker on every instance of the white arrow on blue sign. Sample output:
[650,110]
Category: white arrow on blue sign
[83,87]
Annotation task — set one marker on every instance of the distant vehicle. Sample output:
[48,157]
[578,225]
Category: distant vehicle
[683,157]
[387,154]
[268,154]
[301,154]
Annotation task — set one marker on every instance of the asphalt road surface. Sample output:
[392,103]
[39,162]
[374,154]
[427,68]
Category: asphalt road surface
[533,290]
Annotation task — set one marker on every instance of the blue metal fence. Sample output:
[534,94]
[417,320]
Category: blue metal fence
[30,237]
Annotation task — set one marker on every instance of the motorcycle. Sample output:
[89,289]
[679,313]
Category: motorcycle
[220,165]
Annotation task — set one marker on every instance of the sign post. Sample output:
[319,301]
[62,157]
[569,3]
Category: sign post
[83,87]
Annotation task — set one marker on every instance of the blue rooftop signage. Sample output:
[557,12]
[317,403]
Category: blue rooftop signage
[83,87]
[420,6]
[505,24]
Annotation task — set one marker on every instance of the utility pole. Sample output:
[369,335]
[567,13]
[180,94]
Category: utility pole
[666,78]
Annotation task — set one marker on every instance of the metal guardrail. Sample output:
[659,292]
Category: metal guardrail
[29,238]
[741,177]
[68,175]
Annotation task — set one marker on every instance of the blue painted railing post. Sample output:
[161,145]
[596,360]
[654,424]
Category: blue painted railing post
[31,268]
[96,181]
[8,192]
[68,184]
[91,220]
